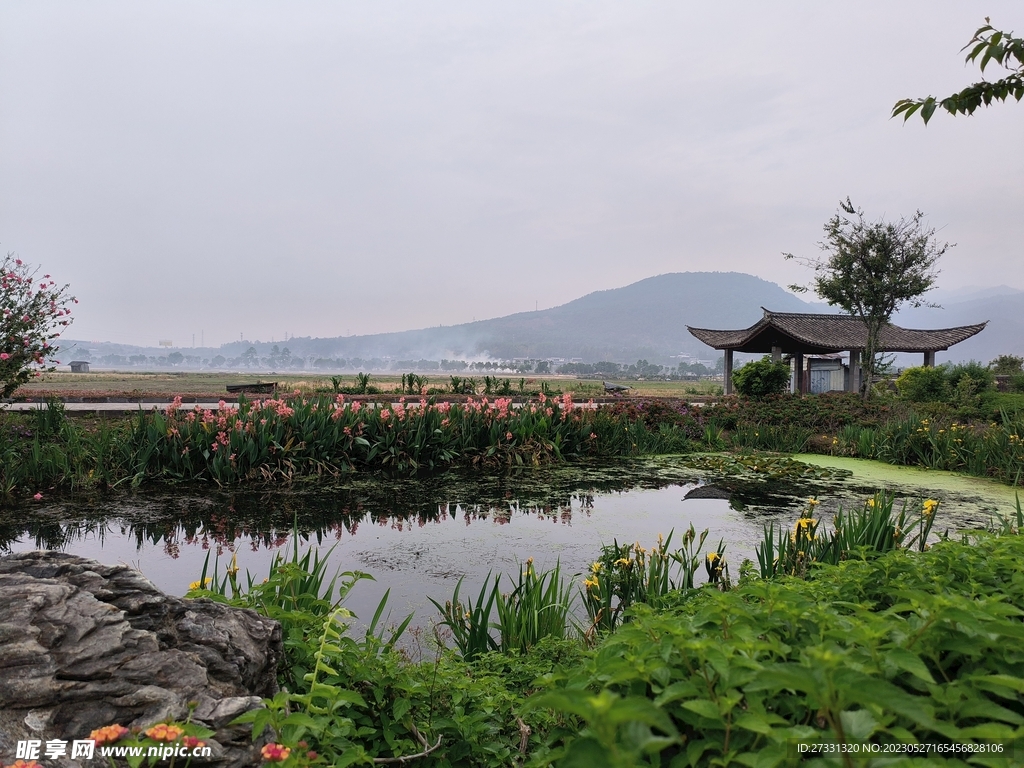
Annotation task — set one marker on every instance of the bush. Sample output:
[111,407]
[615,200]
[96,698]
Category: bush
[923,384]
[905,647]
[1007,365]
[762,378]
[980,374]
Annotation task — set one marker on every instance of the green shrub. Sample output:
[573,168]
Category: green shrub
[1007,365]
[762,378]
[980,374]
[1016,383]
[925,384]
[905,647]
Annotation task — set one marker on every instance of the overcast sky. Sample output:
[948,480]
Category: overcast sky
[322,169]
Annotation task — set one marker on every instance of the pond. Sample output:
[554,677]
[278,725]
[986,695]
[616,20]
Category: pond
[418,536]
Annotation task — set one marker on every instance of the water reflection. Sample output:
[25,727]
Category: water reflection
[417,536]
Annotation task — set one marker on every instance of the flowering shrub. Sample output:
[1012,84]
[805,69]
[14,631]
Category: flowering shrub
[282,438]
[33,312]
[167,740]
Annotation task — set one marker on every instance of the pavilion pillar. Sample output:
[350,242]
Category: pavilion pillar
[798,373]
[728,371]
[776,354]
[929,359]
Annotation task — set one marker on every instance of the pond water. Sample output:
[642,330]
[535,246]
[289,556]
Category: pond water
[418,536]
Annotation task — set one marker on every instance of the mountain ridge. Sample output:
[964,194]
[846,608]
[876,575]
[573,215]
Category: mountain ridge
[645,319]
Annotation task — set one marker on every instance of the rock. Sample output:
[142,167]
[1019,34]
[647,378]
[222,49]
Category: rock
[84,645]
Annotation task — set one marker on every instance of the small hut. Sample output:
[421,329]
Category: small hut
[79,366]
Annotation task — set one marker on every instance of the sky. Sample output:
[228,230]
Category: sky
[261,169]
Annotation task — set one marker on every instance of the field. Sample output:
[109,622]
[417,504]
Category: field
[214,385]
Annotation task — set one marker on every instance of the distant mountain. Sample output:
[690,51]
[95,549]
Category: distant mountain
[1004,334]
[647,319]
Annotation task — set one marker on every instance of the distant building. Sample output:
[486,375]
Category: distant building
[824,373]
[79,366]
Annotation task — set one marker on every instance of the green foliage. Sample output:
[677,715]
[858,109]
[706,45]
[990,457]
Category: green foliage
[538,607]
[904,647]
[987,45]
[925,384]
[296,592]
[470,624]
[898,646]
[625,575]
[995,449]
[762,378]
[1007,365]
[981,376]
[871,269]
[874,529]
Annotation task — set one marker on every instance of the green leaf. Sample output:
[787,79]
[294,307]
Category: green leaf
[928,109]
[704,708]
[753,722]
[909,662]
[401,707]
[858,724]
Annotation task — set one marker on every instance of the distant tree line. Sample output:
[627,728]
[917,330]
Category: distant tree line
[282,359]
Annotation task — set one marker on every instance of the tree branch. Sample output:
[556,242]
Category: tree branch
[409,758]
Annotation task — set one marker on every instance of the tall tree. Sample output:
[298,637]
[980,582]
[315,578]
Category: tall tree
[987,45]
[871,269]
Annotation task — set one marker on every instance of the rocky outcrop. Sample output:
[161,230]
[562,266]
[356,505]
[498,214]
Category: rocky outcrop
[84,645]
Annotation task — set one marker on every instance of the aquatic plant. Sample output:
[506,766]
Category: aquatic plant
[873,529]
[538,607]
[625,575]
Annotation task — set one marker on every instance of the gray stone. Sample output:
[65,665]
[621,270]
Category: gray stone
[84,645]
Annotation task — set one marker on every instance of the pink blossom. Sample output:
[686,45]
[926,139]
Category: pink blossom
[508,435]
[385,415]
[4,356]
[38,496]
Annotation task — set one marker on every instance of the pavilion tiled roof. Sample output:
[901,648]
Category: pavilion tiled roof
[837,332]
